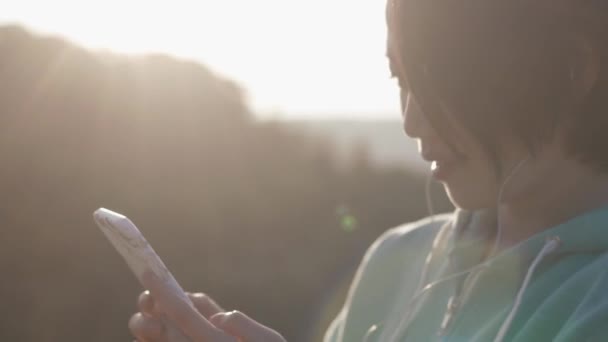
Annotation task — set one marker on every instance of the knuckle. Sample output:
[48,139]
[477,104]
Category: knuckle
[234,319]
[143,327]
[135,323]
[145,300]
[237,316]
[205,304]
[202,298]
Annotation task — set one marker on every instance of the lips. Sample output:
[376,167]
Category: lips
[443,163]
[432,156]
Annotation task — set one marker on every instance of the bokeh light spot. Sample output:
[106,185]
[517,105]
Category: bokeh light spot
[348,222]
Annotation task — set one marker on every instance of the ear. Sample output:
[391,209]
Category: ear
[585,66]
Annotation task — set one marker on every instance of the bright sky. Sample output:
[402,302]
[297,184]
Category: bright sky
[322,58]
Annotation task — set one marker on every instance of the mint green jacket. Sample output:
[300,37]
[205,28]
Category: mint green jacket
[430,281]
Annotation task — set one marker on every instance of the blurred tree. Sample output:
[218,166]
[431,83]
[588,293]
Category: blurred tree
[243,210]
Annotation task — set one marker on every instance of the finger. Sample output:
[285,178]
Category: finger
[147,305]
[173,333]
[204,304]
[245,328]
[146,328]
[182,312]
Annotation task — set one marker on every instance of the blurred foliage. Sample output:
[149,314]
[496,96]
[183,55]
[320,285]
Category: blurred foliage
[258,217]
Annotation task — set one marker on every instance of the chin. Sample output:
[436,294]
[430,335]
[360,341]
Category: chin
[467,199]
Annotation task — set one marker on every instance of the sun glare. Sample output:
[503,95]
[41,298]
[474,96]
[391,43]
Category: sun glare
[315,57]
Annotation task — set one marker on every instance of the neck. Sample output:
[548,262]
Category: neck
[556,197]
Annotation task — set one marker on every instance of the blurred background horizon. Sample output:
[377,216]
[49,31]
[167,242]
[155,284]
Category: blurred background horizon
[257,145]
[279,51]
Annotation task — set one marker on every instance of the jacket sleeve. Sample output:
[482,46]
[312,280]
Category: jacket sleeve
[377,281]
[331,335]
[336,329]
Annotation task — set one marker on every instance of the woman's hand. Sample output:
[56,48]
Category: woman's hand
[150,324]
[208,323]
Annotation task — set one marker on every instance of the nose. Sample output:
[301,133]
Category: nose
[415,124]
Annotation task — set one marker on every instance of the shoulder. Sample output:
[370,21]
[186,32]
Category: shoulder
[376,283]
[401,248]
[412,233]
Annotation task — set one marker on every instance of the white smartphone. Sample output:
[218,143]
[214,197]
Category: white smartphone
[138,254]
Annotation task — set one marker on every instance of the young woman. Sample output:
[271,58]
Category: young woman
[509,101]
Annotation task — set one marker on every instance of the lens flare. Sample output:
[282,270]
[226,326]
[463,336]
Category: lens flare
[348,221]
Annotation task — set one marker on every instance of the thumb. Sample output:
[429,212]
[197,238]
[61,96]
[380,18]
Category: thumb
[181,312]
[245,328]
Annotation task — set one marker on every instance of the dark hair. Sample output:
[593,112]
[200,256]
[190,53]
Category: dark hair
[504,67]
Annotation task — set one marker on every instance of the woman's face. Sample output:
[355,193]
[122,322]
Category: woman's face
[469,176]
